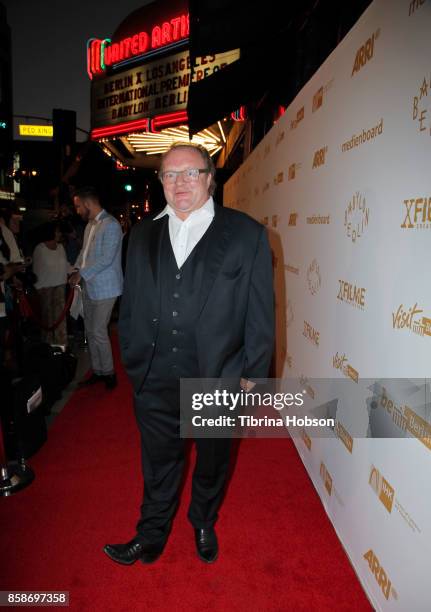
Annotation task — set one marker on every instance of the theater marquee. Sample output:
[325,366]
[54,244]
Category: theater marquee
[152,89]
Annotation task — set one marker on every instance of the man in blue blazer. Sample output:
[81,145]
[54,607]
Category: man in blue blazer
[197,303]
[98,268]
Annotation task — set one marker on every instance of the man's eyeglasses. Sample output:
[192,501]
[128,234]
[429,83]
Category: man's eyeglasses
[190,175]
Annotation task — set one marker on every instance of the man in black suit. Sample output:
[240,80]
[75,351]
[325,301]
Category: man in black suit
[197,303]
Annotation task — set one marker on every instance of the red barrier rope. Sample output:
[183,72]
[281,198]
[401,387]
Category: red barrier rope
[27,310]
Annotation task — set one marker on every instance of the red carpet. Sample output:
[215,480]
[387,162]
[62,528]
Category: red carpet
[279,555]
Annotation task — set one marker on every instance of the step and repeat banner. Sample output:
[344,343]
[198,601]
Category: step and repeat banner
[343,184]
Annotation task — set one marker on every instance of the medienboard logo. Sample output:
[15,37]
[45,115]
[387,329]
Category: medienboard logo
[343,435]
[381,488]
[367,134]
[409,319]
[365,53]
[292,219]
[326,477]
[319,220]
[351,294]
[380,575]
[313,277]
[340,362]
[356,217]
[291,269]
[417,213]
[299,117]
[311,334]
[319,157]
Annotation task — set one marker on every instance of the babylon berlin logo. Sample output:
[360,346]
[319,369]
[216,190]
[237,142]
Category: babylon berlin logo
[409,319]
[422,107]
[356,217]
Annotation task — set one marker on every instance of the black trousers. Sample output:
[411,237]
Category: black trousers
[157,410]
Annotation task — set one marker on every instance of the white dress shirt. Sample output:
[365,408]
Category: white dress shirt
[186,234]
[94,222]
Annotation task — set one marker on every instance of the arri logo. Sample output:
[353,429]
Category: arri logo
[365,53]
[320,157]
[379,574]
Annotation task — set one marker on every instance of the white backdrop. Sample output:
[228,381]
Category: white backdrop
[343,183]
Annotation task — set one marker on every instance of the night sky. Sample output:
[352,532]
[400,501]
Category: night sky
[49,51]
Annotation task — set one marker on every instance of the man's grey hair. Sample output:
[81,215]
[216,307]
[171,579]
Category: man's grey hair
[206,157]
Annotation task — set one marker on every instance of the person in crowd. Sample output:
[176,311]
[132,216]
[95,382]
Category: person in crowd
[72,231]
[51,268]
[197,303]
[10,264]
[98,268]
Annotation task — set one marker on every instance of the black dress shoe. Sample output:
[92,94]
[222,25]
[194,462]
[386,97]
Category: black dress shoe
[206,544]
[110,381]
[94,378]
[132,551]
[125,553]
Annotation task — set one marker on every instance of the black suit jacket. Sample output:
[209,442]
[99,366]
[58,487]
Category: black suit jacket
[235,324]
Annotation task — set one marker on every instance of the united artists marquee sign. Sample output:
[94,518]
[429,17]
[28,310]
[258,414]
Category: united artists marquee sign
[151,89]
[141,78]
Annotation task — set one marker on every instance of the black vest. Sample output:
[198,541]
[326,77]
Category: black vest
[175,353]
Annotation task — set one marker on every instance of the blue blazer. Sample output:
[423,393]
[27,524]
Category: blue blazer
[102,272]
